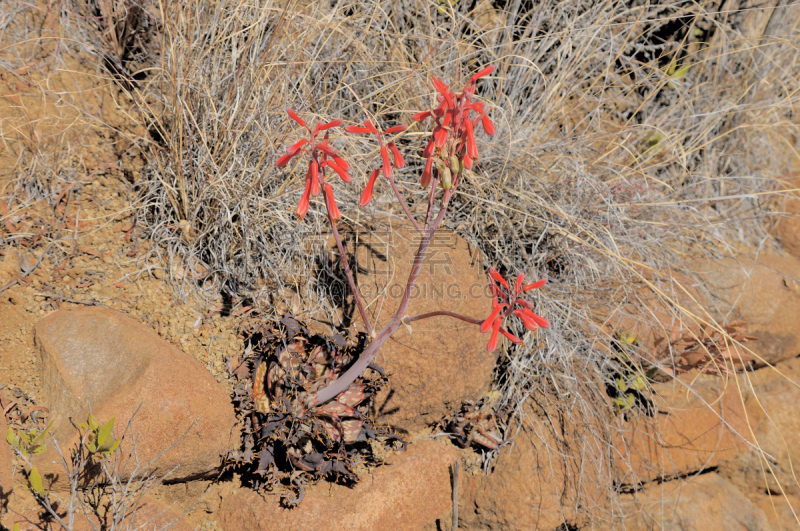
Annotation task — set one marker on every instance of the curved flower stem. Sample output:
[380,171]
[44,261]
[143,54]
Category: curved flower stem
[442,312]
[349,274]
[403,204]
[343,382]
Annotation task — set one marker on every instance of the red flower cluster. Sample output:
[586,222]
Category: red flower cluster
[453,141]
[511,299]
[321,157]
[397,158]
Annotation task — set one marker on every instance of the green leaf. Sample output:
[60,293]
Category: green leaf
[11,436]
[36,481]
[105,432]
[679,73]
[16,527]
[621,384]
[638,383]
[41,434]
[92,422]
[109,449]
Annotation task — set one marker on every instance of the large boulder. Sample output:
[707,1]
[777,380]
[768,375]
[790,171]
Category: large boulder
[700,423]
[6,464]
[412,491]
[762,292]
[146,513]
[708,502]
[434,364]
[786,228]
[771,468]
[99,360]
[551,475]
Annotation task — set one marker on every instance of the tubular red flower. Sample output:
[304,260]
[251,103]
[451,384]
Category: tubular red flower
[448,119]
[472,149]
[396,129]
[520,279]
[439,111]
[440,136]
[302,206]
[426,173]
[526,304]
[294,149]
[511,337]
[488,126]
[498,277]
[493,338]
[293,116]
[537,284]
[371,128]
[467,162]
[334,123]
[398,157]
[541,321]
[485,72]
[529,323]
[342,174]
[341,162]
[313,174]
[444,90]
[429,148]
[284,160]
[330,150]
[330,202]
[387,169]
[487,323]
[355,129]
[366,195]
[421,116]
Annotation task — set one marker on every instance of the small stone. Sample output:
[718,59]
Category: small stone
[158,273]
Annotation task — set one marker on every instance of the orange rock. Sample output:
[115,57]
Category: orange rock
[762,293]
[435,364]
[6,483]
[119,365]
[412,491]
[690,434]
[707,502]
[150,513]
[787,229]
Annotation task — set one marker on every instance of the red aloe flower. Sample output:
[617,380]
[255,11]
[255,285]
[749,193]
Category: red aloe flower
[507,299]
[342,174]
[493,338]
[313,173]
[453,135]
[398,158]
[293,116]
[384,149]
[318,164]
[330,202]
[366,195]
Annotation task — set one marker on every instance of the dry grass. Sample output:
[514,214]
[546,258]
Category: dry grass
[609,173]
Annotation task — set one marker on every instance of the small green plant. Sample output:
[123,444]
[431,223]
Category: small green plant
[99,440]
[28,441]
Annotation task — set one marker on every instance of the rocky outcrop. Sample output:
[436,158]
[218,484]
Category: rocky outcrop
[700,424]
[99,360]
[411,491]
[763,293]
[708,502]
[435,364]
